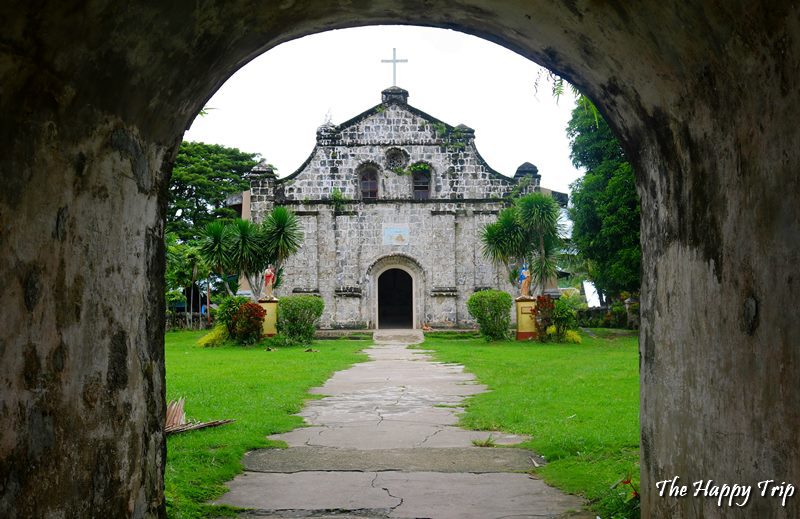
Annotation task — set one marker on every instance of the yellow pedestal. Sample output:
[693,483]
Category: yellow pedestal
[526,319]
[271,319]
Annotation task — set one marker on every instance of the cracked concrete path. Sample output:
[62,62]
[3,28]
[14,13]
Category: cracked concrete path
[383,443]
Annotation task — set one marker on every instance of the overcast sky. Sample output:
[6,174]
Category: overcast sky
[274,105]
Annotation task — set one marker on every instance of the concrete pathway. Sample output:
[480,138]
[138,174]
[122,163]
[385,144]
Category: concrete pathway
[383,444]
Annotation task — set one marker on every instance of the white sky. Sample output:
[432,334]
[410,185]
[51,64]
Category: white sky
[274,104]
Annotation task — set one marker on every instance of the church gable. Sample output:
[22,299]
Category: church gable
[394,152]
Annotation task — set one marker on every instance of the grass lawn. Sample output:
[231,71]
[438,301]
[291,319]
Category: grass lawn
[259,389]
[578,402]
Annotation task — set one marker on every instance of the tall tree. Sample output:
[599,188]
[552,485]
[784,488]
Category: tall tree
[204,175]
[605,206]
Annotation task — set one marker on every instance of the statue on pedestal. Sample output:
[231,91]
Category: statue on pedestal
[524,282]
[269,282]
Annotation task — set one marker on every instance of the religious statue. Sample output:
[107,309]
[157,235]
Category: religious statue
[269,281]
[524,281]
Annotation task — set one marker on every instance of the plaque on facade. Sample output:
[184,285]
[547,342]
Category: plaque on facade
[395,234]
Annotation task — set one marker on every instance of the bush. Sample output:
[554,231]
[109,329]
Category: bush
[617,316]
[227,310]
[297,318]
[248,322]
[564,317]
[217,336]
[492,310]
[544,316]
[572,336]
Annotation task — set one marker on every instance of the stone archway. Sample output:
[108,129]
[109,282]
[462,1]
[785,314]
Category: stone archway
[94,101]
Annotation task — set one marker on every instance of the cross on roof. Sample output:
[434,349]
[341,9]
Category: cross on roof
[394,61]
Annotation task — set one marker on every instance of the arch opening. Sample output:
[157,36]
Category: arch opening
[395,299]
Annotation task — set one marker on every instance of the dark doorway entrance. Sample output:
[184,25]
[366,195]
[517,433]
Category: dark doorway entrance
[395,300]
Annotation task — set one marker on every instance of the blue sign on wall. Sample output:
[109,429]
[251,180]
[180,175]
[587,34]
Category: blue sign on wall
[395,234]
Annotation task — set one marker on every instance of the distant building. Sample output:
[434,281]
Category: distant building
[392,205]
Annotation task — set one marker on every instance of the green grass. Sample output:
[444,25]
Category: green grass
[578,402]
[260,389]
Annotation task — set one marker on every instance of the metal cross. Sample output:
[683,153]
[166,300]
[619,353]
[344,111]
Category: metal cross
[394,61]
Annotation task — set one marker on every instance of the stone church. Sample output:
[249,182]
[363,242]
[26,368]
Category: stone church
[392,204]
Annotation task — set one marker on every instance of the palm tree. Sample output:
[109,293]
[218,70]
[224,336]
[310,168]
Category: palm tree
[215,250]
[248,253]
[539,217]
[527,232]
[282,234]
[504,242]
[254,247]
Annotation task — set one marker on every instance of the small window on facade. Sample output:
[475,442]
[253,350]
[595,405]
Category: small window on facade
[369,184]
[396,159]
[422,184]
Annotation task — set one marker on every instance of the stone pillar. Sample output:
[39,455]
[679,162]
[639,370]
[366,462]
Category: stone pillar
[262,191]
[82,335]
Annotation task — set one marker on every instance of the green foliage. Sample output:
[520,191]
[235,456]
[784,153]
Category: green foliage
[453,137]
[578,403]
[491,309]
[215,249]
[338,199]
[605,206]
[216,337]
[203,176]
[529,231]
[572,336]
[174,298]
[413,168]
[282,234]
[227,310]
[298,317]
[261,389]
[250,247]
[543,312]
[617,316]
[248,322]
[564,318]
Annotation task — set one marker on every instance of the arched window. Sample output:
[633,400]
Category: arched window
[422,183]
[369,184]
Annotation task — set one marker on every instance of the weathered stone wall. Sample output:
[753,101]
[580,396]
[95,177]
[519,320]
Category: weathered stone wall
[82,333]
[340,250]
[704,97]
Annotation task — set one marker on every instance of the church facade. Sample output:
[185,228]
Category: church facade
[392,204]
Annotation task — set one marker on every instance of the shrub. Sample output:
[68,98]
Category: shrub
[544,316]
[297,318]
[572,336]
[217,336]
[491,309]
[564,317]
[247,323]
[227,310]
[617,316]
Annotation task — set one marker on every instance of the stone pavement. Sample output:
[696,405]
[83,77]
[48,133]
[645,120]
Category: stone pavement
[383,444]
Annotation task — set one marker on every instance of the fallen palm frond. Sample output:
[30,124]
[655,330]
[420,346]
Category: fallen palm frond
[176,419]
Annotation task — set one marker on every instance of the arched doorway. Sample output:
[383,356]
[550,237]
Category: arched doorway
[395,299]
